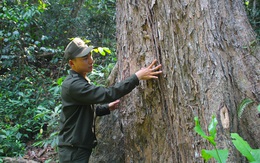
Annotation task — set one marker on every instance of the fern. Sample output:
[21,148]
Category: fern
[243,105]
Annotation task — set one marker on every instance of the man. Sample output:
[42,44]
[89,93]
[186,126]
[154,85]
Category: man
[77,129]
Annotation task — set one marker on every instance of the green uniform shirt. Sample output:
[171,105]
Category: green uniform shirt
[77,114]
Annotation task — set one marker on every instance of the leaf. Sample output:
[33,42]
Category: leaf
[256,154]
[242,106]
[247,3]
[219,155]
[60,80]
[2,135]
[38,144]
[42,108]
[95,50]
[212,127]
[205,155]
[107,50]
[242,146]
[258,108]
[42,6]
[101,51]
[199,130]
[87,41]
[211,139]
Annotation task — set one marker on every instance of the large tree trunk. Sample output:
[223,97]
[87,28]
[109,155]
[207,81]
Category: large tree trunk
[210,64]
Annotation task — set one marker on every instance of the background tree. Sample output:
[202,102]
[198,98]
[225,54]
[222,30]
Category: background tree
[210,64]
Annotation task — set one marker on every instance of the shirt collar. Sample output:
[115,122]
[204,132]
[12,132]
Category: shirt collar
[74,73]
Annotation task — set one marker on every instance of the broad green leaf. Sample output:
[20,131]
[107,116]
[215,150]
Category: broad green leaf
[38,116]
[40,107]
[107,50]
[14,101]
[60,80]
[258,108]
[211,140]
[223,154]
[220,155]
[205,155]
[242,146]
[212,127]
[242,106]
[39,143]
[101,51]
[199,130]
[57,108]
[2,132]
[2,135]
[95,50]
[256,154]
[42,6]
[87,41]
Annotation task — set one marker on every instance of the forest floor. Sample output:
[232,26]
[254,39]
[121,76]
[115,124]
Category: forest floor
[41,155]
[36,155]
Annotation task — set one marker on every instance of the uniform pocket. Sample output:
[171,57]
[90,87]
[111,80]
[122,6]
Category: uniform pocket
[81,155]
[66,153]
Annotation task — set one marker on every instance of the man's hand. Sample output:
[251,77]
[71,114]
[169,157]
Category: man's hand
[149,72]
[113,105]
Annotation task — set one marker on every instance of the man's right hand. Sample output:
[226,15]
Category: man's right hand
[149,72]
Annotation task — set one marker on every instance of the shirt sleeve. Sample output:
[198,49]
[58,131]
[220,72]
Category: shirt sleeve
[84,93]
[102,110]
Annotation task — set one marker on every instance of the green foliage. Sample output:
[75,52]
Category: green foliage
[253,12]
[219,155]
[211,128]
[100,73]
[245,102]
[50,117]
[31,30]
[30,91]
[100,21]
[18,39]
[95,21]
[252,155]
[243,105]
[102,50]
[10,141]
[208,154]
[27,105]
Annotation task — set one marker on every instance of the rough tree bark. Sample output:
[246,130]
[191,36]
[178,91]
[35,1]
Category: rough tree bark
[210,64]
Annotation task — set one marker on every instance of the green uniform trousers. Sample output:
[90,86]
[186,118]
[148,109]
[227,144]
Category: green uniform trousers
[74,155]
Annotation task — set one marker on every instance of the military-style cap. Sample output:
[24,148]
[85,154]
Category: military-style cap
[77,48]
